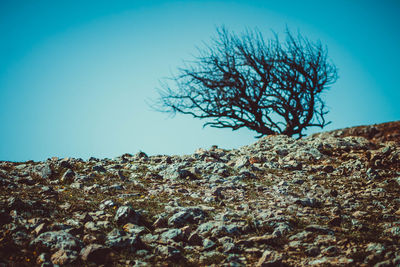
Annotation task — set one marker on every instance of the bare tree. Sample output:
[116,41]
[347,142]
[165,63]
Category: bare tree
[244,81]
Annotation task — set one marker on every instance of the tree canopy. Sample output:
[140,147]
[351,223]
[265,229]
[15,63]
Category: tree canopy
[245,81]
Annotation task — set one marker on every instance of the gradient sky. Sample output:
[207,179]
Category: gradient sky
[75,75]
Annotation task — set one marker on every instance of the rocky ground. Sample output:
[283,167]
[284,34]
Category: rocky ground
[331,199]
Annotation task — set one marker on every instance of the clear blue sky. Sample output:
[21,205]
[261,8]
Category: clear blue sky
[74,75]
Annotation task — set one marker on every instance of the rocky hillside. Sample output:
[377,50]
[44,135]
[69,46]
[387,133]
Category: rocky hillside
[331,199]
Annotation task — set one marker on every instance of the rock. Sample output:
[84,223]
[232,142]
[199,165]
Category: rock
[319,229]
[46,172]
[42,258]
[91,226]
[313,251]
[125,214]
[328,169]
[177,172]
[376,248]
[397,180]
[308,202]
[76,185]
[242,162]
[335,221]
[281,229]
[135,229]
[229,247]
[150,238]
[95,253]
[316,201]
[195,239]
[393,231]
[40,229]
[140,155]
[4,217]
[270,258]
[107,204]
[372,174]
[99,168]
[225,230]
[172,234]
[121,175]
[57,240]
[83,217]
[331,251]
[298,181]
[48,191]
[62,257]
[208,244]
[333,192]
[187,216]
[205,228]
[68,176]
[265,239]
[169,252]
[300,236]
[332,261]
[15,203]
[65,163]
[211,257]
[20,238]
[386,263]
[119,240]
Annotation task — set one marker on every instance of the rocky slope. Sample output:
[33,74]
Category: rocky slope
[332,199]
